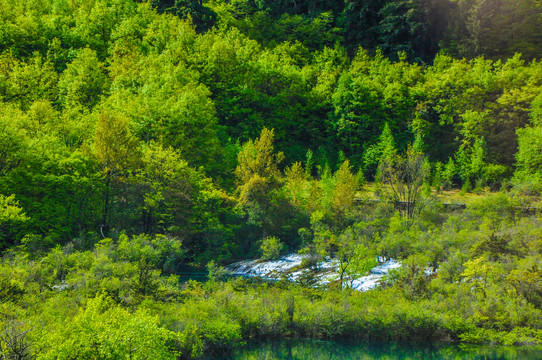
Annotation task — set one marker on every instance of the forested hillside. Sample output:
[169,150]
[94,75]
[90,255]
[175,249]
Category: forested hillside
[139,136]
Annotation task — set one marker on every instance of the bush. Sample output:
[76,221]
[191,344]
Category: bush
[104,330]
[270,248]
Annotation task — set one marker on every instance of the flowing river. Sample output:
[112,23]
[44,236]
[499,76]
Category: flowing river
[332,350]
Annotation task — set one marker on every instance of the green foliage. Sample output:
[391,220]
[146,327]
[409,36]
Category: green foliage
[404,178]
[103,330]
[93,97]
[345,188]
[13,287]
[473,168]
[526,280]
[202,16]
[297,184]
[384,149]
[10,212]
[159,252]
[371,93]
[271,248]
[258,176]
[163,189]
[83,81]
[487,289]
[25,82]
[115,150]
[14,139]
[258,159]
[354,259]
[481,34]
[215,272]
[121,124]
[114,145]
[528,176]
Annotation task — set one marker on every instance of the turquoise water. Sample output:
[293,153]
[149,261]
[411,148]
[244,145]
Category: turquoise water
[187,273]
[330,350]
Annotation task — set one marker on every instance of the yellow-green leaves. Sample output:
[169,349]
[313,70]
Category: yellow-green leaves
[258,158]
[14,140]
[104,330]
[270,248]
[11,217]
[84,81]
[10,210]
[116,149]
[346,186]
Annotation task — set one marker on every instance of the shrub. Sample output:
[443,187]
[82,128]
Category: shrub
[270,248]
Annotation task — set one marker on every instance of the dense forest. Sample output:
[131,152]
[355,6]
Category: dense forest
[140,136]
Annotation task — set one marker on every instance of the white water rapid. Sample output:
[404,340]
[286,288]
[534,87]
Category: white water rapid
[289,267]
